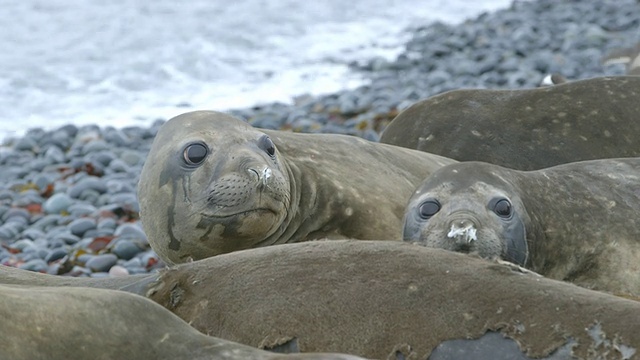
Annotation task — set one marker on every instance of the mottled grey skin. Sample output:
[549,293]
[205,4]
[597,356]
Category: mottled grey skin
[575,222]
[313,186]
[55,323]
[384,299]
[629,56]
[526,129]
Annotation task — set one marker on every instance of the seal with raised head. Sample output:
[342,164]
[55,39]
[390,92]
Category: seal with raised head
[376,299]
[526,129]
[575,222]
[213,184]
[77,323]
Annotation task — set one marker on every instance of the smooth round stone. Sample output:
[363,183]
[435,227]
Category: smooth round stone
[103,157]
[7,195]
[103,232]
[13,213]
[84,258]
[55,254]
[69,130]
[22,244]
[81,209]
[68,238]
[125,249]
[119,166]
[26,143]
[33,233]
[80,226]
[130,231]
[43,181]
[54,154]
[102,262]
[8,233]
[131,158]
[114,136]
[107,223]
[38,164]
[135,262]
[87,183]
[56,243]
[120,186]
[90,196]
[38,265]
[126,200]
[94,146]
[57,203]
[118,270]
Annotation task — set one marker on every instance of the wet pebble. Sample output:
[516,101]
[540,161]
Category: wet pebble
[57,203]
[79,227]
[102,262]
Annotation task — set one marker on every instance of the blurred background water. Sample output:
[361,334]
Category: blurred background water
[128,62]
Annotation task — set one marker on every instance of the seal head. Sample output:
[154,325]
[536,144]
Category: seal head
[469,209]
[223,182]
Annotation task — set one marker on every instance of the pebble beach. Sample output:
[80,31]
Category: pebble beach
[68,201]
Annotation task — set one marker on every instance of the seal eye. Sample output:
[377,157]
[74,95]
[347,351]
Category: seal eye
[194,154]
[429,208]
[502,208]
[267,145]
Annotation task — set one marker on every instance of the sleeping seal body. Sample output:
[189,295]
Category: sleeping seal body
[526,129]
[382,300]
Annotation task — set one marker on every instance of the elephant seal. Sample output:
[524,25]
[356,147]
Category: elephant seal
[382,299]
[78,323]
[213,184]
[628,56]
[574,222]
[526,129]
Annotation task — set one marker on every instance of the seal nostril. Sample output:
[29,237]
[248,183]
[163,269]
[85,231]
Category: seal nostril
[256,173]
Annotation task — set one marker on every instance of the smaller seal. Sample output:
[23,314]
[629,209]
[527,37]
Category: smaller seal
[573,222]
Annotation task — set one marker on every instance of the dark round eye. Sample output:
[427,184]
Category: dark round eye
[194,154]
[429,208]
[503,208]
[267,145]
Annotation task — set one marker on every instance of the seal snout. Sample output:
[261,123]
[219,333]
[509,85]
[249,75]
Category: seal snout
[463,233]
[262,174]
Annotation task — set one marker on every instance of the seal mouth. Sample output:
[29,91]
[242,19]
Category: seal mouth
[241,213]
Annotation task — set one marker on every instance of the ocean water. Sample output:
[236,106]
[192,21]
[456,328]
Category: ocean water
[128,62]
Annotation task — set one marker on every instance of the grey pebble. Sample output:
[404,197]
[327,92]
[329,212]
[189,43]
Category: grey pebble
[38,265]
[102,262]
[125,249]
[57,203]
[88,183]
[55,254]
[79,227]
